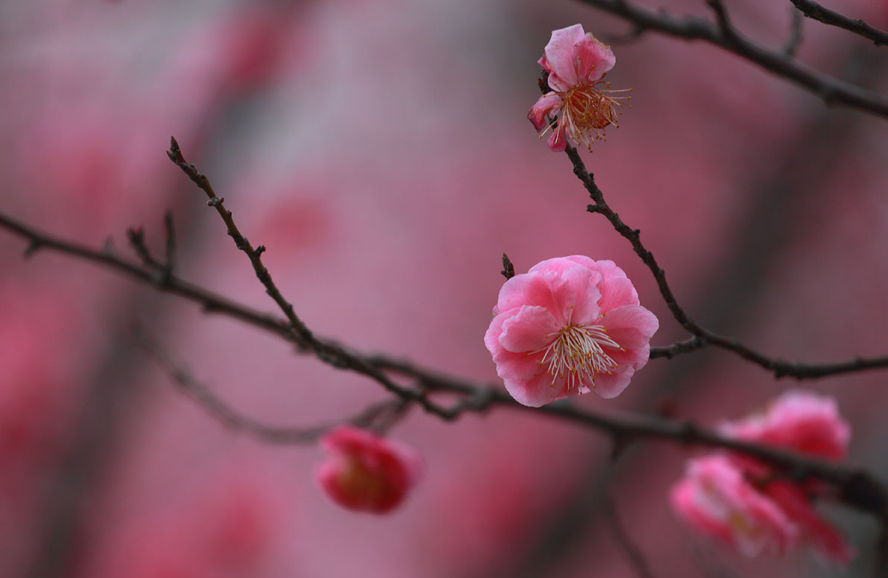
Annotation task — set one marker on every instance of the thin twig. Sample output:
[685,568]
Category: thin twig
[302,335]
[831,90]
[795,34]
[379,417]
[857,26]
[633,553]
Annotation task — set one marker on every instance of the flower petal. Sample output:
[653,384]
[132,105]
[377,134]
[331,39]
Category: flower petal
[561,54]
[558,140]
[536,392]
[549,104]
[584,283]
[593,59]
[511,295]
[631,326]
[617,292]
[610,385]
[552,292]
[529,330]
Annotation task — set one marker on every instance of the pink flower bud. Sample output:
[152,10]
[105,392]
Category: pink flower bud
[569,325]
[365,472]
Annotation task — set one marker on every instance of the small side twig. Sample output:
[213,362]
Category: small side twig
[633,553]
[795,34]
[302,336]
[817,12]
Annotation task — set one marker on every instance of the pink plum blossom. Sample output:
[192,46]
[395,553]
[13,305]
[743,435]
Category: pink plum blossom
[798,420]
[576,64]
[365,472]
[569,325]
[716,499]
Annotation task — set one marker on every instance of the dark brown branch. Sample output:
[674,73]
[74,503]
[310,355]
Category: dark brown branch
[778,367]
[817,12]
[378,417]
[856,488]
[722,34]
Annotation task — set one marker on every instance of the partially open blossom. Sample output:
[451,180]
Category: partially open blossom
[716,499]
[569,325]
[798,420]
[576,64]
[365,472]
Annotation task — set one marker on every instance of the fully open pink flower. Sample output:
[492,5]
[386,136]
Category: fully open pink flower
[716,499]
[798,420]
[570,325]
[576,63]
[365,472]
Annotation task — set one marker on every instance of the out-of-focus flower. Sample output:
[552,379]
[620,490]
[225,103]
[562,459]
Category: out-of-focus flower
[365,472]
[576,64]
[797,420]
[569,325]
[716,499]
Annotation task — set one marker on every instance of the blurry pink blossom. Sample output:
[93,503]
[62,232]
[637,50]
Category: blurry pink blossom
[716,499]
[798,420]
[569,325]
[576,63]
[365,472]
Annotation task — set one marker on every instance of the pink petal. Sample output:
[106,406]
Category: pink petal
[550,291]
[557,140]
[617,292]
[549,104]
[561,54]
[518,366]
[593,59]
[631,326]
[511,296]
[610,386]
[536,392]
[495,329]
[608,268]
[530,330]
[584,283]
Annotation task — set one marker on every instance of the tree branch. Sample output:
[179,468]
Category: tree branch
[722,34]
[778,367]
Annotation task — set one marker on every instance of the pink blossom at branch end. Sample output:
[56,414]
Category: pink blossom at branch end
[576,63]
[365,472]
[724,495]
[798,420]
[569,325]
[715,498]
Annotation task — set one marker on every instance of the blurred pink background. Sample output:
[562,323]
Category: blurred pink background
[380,150]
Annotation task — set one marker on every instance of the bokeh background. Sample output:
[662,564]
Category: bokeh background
[380,150]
